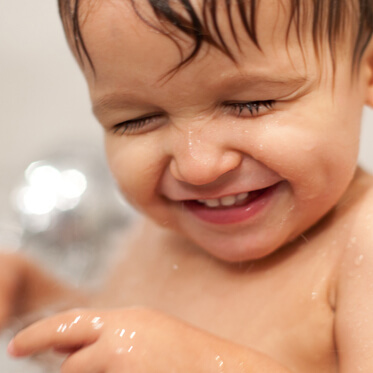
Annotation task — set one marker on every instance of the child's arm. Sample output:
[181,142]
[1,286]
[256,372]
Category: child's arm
[25,289]
[354,304]
[136,341]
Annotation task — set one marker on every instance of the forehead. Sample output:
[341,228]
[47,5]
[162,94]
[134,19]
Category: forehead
[115,35]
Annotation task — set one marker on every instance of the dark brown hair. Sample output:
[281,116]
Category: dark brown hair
[328,22]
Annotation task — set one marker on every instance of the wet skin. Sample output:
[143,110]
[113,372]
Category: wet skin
[288,279]
[195,145]
[300,305]
[303,306]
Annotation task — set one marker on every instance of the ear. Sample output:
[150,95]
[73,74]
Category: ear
[368,67]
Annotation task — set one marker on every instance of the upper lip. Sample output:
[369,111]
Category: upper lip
[207,195]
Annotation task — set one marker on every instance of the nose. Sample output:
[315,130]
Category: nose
[200,159]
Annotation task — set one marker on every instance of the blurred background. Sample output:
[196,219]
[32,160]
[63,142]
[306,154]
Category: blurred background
[45,115]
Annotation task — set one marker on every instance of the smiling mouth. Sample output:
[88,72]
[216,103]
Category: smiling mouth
[233,208]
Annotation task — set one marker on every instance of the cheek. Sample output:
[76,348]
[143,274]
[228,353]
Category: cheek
[136,166]
[315,152]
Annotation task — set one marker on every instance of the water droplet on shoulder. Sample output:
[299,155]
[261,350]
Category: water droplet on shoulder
[359,259]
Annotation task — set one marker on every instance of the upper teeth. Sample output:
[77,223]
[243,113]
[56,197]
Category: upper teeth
[224,201]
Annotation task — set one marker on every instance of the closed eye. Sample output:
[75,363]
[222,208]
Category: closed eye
[250,109]
[240,109]
[135,125]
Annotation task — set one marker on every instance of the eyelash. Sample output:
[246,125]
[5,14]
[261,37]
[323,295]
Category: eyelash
[134,125]
[253,106]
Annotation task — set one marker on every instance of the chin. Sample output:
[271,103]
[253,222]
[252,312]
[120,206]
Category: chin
[236,252]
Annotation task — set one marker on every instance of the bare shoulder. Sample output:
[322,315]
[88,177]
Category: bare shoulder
[358,226]
[354,302]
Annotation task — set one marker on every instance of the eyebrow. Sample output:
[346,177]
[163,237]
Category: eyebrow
[112,101]
[125,100]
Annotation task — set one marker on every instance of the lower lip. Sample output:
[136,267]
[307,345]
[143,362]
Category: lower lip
[232,214]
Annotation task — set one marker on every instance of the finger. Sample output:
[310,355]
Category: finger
[66,331]
[82,361]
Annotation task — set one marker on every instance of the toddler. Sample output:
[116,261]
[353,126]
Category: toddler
[233,127]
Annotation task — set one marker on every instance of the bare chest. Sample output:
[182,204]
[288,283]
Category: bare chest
[279,310]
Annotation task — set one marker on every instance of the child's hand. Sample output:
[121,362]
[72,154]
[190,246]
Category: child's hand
[125,340]
[12,270]
[25,289]
[137,341]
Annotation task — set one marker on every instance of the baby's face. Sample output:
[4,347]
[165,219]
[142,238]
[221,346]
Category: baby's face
[268,136]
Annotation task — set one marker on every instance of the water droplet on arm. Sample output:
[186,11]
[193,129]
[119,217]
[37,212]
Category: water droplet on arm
[62,328]
[220,363]
[97,323]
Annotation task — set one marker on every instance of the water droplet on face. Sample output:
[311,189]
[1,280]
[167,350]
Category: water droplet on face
[314,295]
[359,259]
[305,239]
[190,143]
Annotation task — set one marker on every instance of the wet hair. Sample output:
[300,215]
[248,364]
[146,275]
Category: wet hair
[328,20]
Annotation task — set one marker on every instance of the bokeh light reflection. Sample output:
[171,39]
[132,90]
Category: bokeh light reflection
[48,188]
